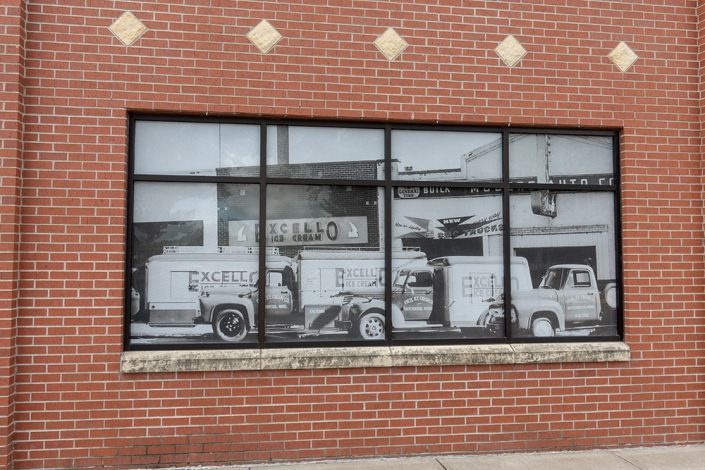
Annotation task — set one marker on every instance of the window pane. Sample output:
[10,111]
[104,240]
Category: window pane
[184,270]
[330,249]
[181,148]
[560,159]
[325,152]
[448,263]
[446,156]
[568,242]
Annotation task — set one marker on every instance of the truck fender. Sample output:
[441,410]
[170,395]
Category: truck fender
[212,304]
[248,309]
[526,313]
[398,320]
[557,319]
[366,305]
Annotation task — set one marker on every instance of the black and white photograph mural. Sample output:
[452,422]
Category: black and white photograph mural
[419,155]
[321,241]
[197,235]
[177,258]
[567,237]
[329,243]
[571,264]
[459,232]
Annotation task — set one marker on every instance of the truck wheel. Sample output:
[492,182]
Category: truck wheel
[541,327]
[371,326]
[609,293]
[229,325]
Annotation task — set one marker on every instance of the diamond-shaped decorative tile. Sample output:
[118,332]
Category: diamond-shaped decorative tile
[623,56]
[127,28]
[264,36]
[391,44]
[510,51]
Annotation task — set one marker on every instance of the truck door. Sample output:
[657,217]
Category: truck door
[277,296]
[417,295]
[580,297]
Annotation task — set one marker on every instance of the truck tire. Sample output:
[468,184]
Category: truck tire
[542,327]
[609,293]
[229,324]
[371,326]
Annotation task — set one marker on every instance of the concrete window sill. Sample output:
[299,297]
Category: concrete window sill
[395,356]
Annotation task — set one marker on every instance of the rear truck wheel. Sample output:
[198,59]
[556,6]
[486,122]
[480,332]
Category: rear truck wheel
[229,324]
[371,326]
[542,327]
[609,304]
[609,293]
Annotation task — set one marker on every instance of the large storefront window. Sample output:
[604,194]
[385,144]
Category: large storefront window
[249,234]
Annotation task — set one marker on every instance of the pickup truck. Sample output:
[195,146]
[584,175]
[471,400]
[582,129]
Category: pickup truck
[567,297]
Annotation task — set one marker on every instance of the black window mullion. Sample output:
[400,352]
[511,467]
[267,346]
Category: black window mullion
[498,185]
[619,268]
[261,338]
[506,238]
[196,179]
[388,234]
[127,320]
[323,182]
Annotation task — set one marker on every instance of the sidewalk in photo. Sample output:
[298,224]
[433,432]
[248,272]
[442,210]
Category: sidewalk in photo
[684,457]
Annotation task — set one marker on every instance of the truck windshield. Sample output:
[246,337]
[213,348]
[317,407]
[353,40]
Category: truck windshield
[401,278]
[554,278]
[274,279]
[421,279]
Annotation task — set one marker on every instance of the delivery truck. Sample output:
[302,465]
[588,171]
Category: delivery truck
[567,298]
[448,293]
[175,279]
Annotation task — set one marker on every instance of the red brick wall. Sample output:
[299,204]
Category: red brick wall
[73,408]
[11,116]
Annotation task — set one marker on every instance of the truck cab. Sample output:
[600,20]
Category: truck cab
[279,291]
[576,290]
[412,292]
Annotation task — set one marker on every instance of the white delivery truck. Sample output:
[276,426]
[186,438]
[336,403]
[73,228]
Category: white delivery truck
[302,294]
[567,298]
[175,280]
[323,274]
[447,293]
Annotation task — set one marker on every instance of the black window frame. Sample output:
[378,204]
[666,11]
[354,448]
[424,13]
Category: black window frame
[504,186]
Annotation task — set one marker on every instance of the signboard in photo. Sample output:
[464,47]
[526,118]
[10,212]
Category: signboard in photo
[302,231]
